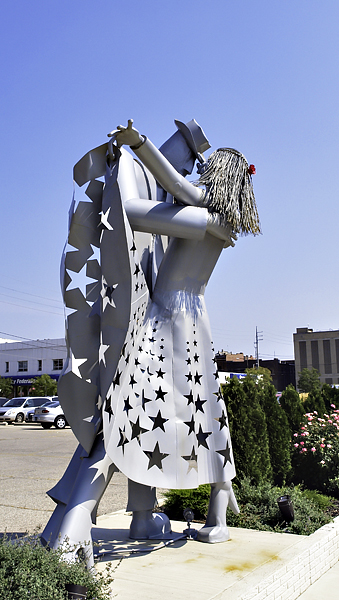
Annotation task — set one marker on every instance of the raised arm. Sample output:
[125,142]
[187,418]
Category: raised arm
[161,169]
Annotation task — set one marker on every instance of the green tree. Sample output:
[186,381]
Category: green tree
[309,381]
[330,396]
[279,434]
[315,402]
[6,387]
[261,376]
[43,386]
[293,407]
[248,430]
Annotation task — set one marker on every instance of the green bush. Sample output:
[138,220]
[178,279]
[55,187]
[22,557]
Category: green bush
[258,507]
[30,571]
[279,435]
[248,429]
[178,500]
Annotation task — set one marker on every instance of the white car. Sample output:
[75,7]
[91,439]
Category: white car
[49,415]
[15,410]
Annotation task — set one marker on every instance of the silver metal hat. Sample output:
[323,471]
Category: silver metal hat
[194,136]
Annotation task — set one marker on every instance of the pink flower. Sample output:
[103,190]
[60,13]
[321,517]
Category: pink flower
[322,462]
[329,446]
[302,443]
[322,445]
[313,449]
[329,421]
[304,449]
[303,428]
[333,406]
[315,412]
[295,435]
[296,445]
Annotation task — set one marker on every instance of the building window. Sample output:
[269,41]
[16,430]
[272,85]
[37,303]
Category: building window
[329,380]
[303,356]
[39,365]
[327,356]
[58,364]
[7,367]
[315,354]
[22,366]
[337,353]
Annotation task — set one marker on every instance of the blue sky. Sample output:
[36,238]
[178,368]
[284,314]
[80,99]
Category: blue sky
[261,77]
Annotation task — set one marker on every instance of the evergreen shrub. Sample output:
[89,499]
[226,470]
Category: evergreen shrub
[30,571]
[258,507]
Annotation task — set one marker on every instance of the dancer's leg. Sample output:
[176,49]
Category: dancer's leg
[215,528]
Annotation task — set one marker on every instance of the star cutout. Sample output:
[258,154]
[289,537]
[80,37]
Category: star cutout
[107,294]
[116,380]
[196,358]
[202,436]
[188,360]
[190,424]
[199,404]
[127,406]
[189,377]
[222,420]
[160,373]
[102,467]
[155,457]
[108,408]
[137,430]
[102,350]
[195,343]
[161,358]
[189,398]
[132,381]
[144,400]
[137,270]
[192,460]
[158,422]
[104,220]
[123,439]
[160,394]
[226,454]
[76,363]
[197,378]
[133,249]
[216,374]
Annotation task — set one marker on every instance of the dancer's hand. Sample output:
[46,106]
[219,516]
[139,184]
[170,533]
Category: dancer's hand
[126,135]
[221,231]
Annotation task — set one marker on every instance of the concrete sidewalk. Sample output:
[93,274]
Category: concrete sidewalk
[252,565]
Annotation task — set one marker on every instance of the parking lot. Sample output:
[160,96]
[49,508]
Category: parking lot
[32,462]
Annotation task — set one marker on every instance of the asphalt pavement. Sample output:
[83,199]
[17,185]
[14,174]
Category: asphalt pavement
[32,461]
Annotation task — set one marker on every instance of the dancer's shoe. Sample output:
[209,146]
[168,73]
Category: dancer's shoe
[215,529]
[147,525]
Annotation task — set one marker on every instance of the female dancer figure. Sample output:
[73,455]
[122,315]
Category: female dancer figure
[169,426]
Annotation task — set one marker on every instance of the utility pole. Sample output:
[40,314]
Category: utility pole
[258,338]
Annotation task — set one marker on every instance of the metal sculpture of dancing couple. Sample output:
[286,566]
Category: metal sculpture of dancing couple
[141,391]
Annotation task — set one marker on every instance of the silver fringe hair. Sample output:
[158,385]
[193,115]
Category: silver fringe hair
[229,190]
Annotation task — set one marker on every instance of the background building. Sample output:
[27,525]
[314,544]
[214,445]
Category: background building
[23,361]
[282,371]
[318,349]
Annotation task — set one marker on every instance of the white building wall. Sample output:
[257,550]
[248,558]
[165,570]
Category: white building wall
[33,351]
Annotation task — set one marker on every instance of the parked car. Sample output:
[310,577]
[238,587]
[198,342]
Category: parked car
[15,410]
[30,412]
[3,400]
[49,415]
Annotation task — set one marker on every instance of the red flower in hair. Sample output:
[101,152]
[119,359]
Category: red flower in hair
[251,170]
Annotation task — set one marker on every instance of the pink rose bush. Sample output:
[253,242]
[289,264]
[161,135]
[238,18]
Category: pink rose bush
[315,452]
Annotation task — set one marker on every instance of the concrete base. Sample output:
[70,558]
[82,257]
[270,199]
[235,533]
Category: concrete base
[251,565]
